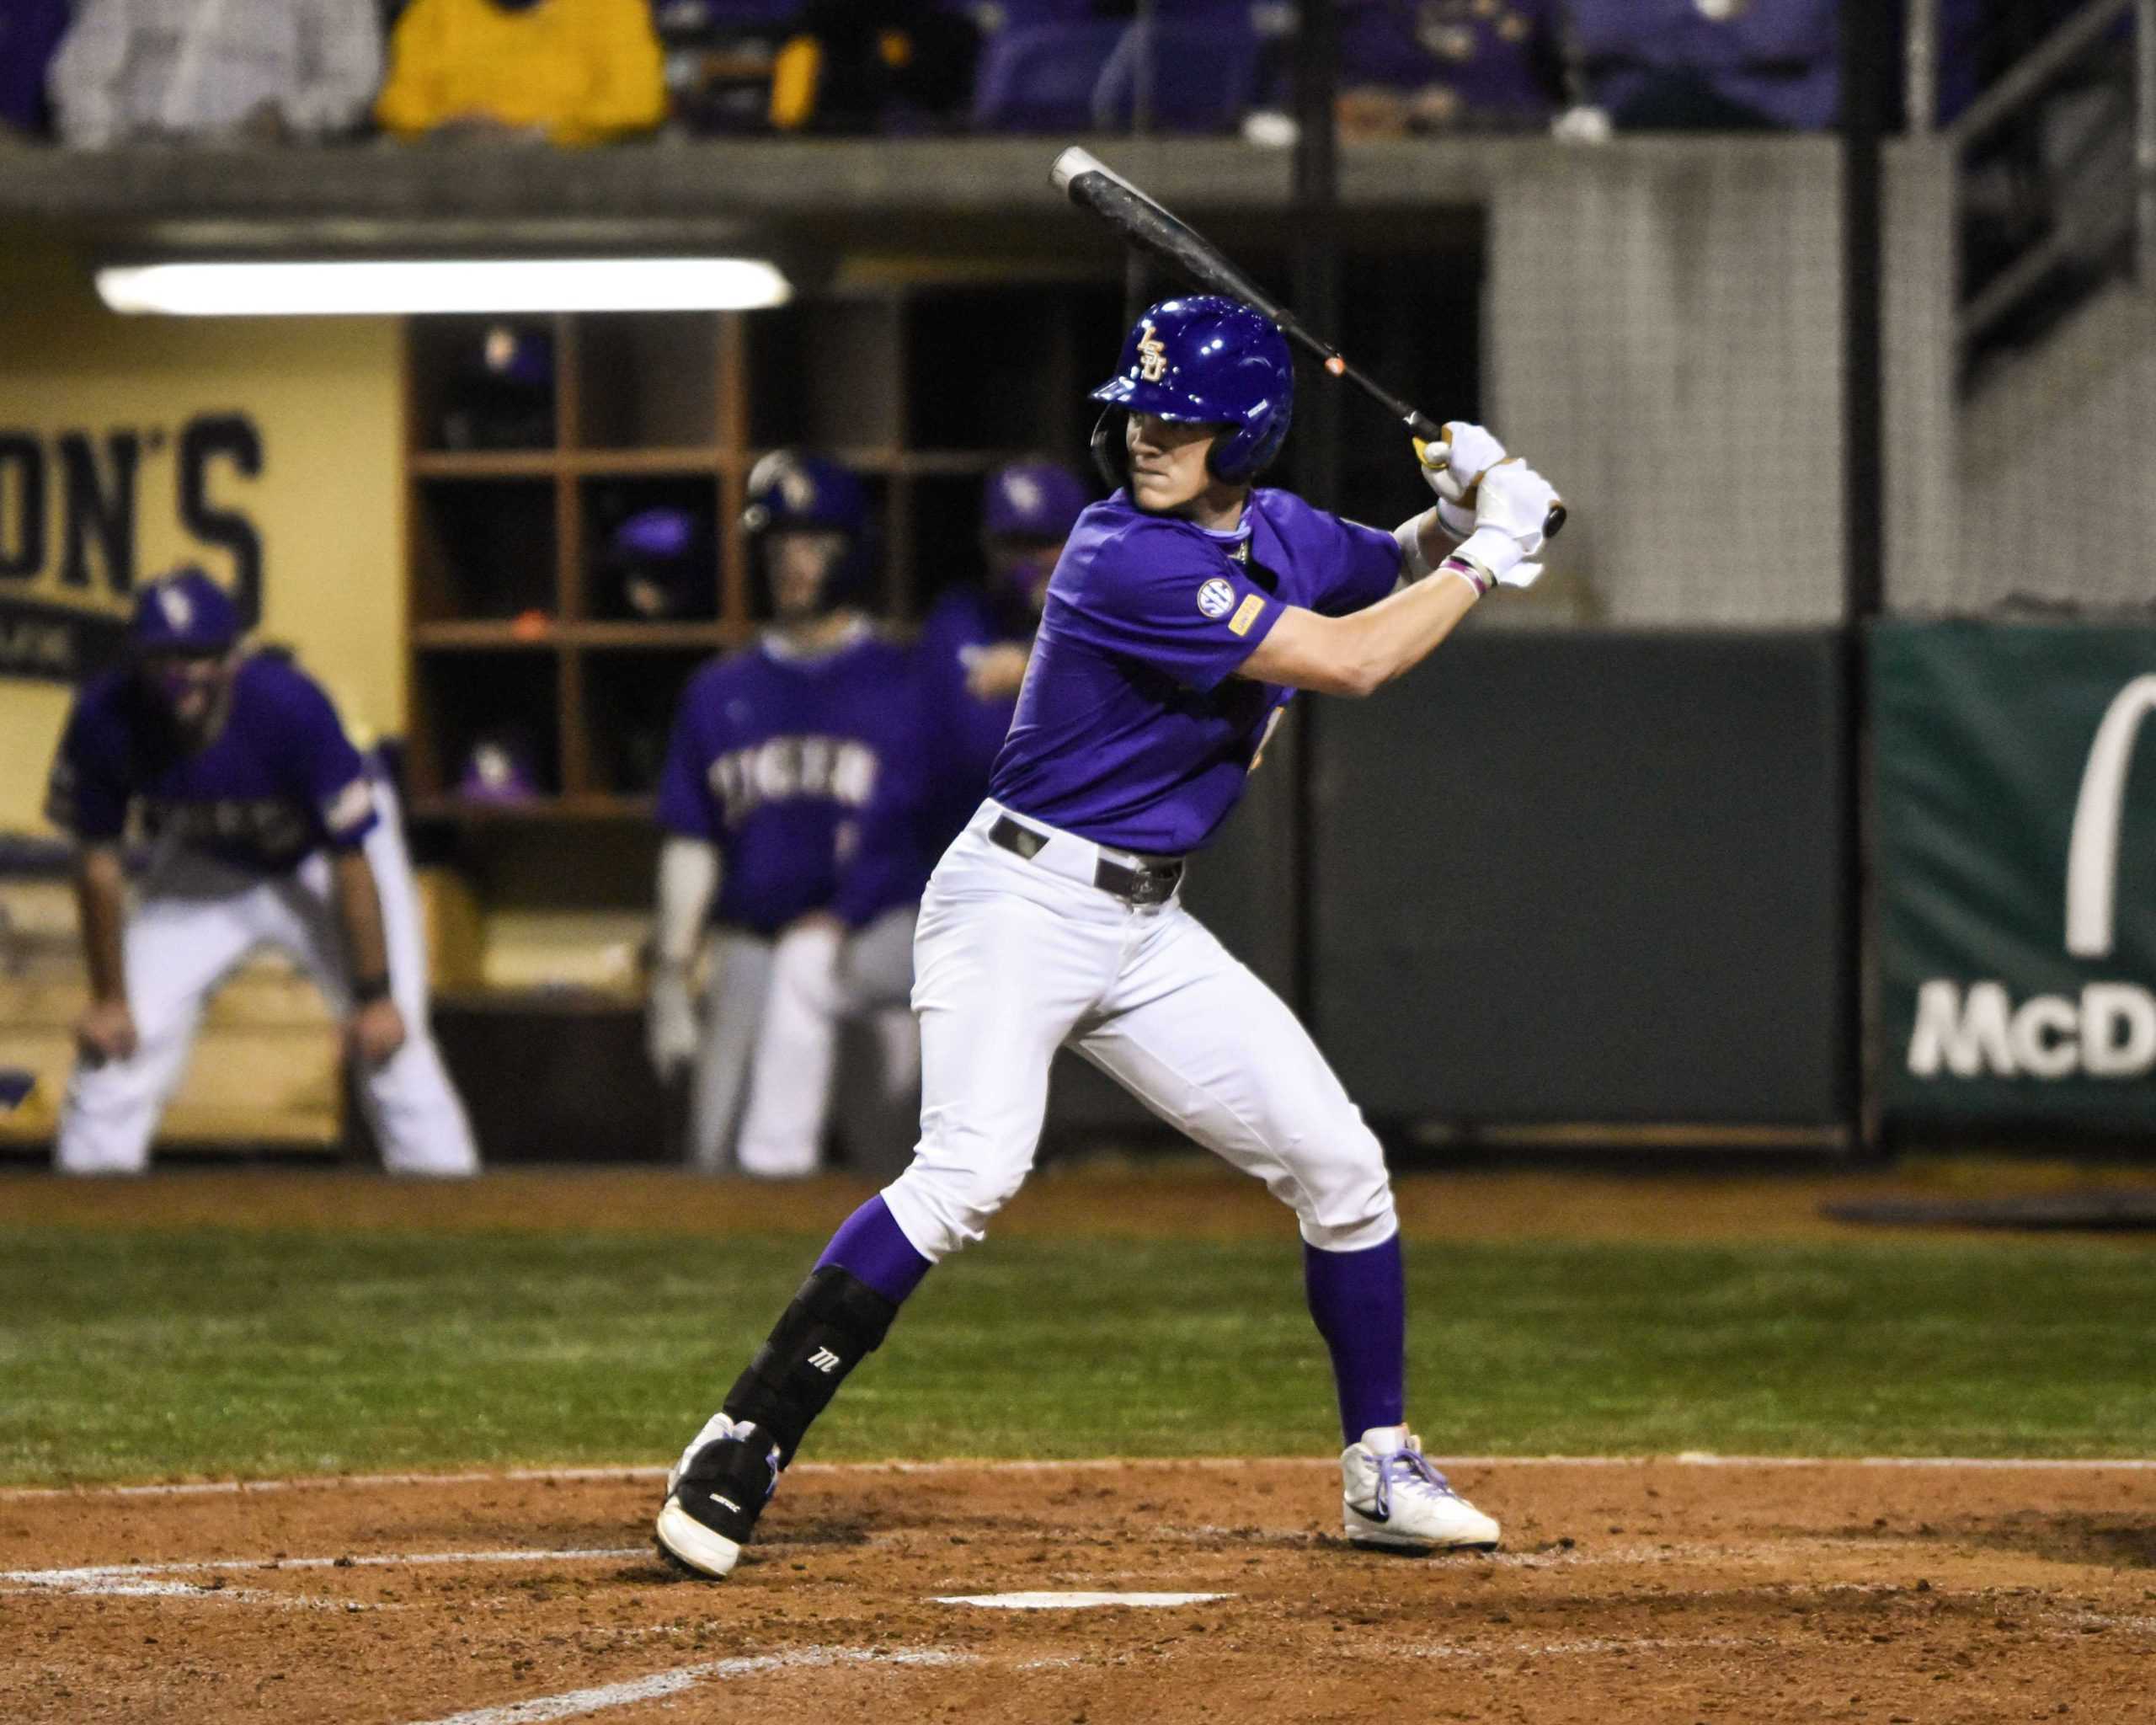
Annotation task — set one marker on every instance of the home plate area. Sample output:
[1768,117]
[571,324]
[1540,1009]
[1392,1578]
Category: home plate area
[1103,1591]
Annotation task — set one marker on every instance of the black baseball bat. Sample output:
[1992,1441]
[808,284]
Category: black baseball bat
[1085,179]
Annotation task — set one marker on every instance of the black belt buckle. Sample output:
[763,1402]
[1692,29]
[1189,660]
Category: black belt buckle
[1137,886]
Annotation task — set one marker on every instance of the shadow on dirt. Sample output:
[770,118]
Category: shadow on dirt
[2114,1541]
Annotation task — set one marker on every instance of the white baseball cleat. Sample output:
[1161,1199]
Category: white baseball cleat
[1393,1499]
[714,1494]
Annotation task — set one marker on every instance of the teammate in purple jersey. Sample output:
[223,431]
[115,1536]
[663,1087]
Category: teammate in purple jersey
[976,641]
[791,808]
[264,827]
[1183,610]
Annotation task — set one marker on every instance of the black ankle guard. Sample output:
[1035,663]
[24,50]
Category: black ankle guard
[835,1322]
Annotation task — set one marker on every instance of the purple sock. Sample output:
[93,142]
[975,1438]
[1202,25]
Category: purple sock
[1359,1299]
[869,1245]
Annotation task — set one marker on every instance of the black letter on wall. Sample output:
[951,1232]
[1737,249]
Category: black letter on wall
[22,472]
[233,436]
[96,513]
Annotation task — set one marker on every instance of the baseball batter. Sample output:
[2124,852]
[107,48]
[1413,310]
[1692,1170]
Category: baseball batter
[977,640]
[792,819]
[265,828]
[1184,611]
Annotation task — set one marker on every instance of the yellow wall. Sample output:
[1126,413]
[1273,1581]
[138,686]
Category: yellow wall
[324,393]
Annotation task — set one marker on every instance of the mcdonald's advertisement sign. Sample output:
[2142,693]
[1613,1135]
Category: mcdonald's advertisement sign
[2016,871]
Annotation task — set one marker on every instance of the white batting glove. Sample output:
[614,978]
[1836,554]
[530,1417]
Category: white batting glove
[1510,506]
[1452,469]
[671,1029]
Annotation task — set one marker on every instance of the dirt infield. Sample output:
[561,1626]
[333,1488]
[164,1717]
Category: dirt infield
[1644,1592]
[1179,1196]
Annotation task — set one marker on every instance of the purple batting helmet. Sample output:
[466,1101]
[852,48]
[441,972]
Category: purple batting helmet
[1203,360]
[1032,499]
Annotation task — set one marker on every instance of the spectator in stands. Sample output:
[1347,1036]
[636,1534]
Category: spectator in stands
[1704,65]
[719,56]
[1446,66]
[138,70]
[574,72]
[856,66]
[29,34]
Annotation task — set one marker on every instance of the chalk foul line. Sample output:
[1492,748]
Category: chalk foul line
[138,1578]
[577,1702]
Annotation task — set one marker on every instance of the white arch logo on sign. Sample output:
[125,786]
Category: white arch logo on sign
[2108,1031]
[2092,855]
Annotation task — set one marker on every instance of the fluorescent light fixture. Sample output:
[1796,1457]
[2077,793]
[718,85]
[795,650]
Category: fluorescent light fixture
[498,285]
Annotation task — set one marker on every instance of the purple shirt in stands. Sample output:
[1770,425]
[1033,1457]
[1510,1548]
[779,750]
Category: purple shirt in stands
[1486,52]
[279,781]
[1131,730]
[804,771]
[1778,58]
[967,730]
[30,33]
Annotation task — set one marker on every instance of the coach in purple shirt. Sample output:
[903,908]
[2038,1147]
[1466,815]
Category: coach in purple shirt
[263,827]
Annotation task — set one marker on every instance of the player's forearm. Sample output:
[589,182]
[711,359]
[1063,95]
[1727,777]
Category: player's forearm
[1398,634]
[101,898]
[1358,654]
[688,880]
[359,914]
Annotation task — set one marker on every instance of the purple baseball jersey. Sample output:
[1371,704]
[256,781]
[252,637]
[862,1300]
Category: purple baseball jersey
[1129,730]
[804,771]
[277,780]
[966,729]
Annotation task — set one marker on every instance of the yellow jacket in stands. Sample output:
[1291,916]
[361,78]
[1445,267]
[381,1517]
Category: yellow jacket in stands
[584,69]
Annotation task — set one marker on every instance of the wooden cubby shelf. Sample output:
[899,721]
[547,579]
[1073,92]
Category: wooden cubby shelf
[530,441]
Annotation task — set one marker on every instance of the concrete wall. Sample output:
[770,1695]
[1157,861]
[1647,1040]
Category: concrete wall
[1662,334]
[2057,467]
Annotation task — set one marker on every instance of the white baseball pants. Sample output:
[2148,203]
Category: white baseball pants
[762,1090]
[196,920]
[1016,958]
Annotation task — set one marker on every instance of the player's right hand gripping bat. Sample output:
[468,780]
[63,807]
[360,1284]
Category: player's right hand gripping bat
[1083,178]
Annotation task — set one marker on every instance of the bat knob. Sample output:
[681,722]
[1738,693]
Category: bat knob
[1553,524]
[1070,164]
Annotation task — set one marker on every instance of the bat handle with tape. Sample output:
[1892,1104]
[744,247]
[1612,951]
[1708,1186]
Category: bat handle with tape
[1432,445]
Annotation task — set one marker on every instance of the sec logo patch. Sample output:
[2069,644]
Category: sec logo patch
[1216,598]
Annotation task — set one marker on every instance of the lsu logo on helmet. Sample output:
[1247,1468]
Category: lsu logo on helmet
[1152,356]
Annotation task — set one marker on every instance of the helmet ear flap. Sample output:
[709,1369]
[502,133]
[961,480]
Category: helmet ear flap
[1111,456]
[1240,459]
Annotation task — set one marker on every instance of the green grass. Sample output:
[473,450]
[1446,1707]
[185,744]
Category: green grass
[148,1354]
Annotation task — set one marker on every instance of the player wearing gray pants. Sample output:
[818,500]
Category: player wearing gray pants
[266,828]
[768,1049]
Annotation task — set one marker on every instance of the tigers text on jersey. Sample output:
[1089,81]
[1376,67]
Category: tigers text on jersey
[278,780]
[1131,730]
[801,769]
